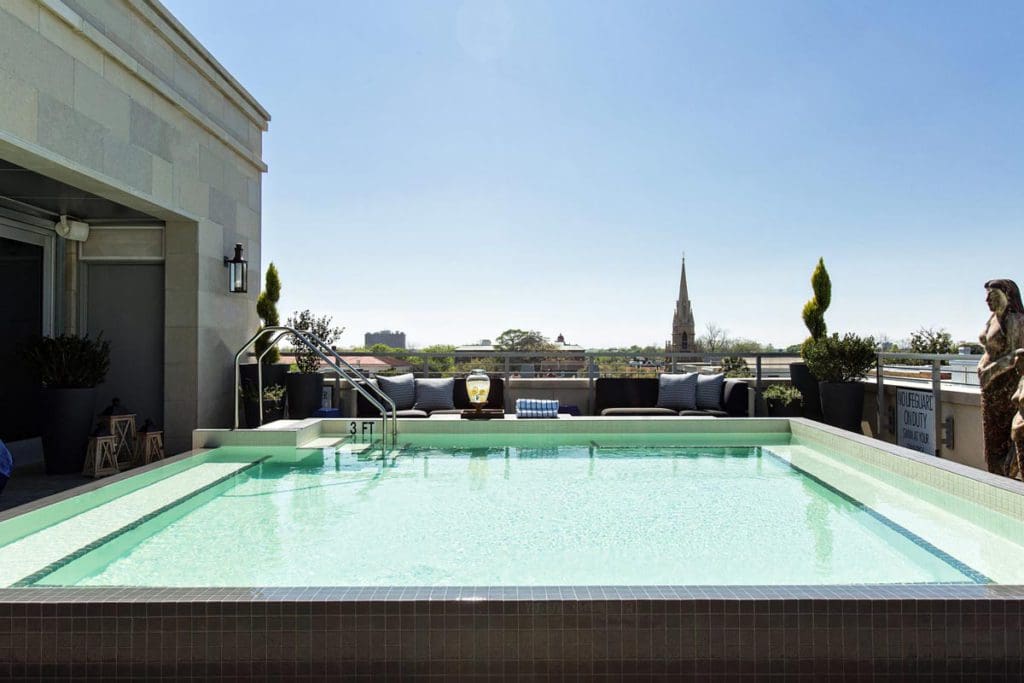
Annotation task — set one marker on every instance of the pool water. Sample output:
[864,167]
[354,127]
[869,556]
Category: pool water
[575,514]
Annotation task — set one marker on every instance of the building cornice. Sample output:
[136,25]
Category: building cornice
[160,86]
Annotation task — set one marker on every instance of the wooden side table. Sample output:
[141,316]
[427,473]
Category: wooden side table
[122,427]
[101,457]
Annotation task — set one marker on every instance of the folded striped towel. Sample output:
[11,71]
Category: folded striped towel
[536,407]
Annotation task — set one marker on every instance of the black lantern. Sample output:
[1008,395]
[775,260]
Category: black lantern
[238,272]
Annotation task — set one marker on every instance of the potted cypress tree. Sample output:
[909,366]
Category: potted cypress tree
[274,373]
[814,319]
[306,385]
[70,368]
[840,363]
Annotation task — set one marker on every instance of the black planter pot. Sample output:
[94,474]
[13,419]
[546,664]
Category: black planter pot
[842,404]
[807,384]
[272,375]
[304,391]
[780,409]
[272,410]
[67,421]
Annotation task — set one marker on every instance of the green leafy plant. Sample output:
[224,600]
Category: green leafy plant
[783,394]
[306,359]
[266,309]
[734,366]
[273,393]
[840,359]
[69,361]
[814,310]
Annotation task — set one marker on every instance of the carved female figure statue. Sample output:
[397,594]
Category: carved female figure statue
[1017,428]
[998,371]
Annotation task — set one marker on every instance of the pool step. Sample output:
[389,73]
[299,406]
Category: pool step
[36,552]
[324,442]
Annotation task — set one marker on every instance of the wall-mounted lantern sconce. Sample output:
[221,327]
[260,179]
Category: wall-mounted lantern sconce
[238,272]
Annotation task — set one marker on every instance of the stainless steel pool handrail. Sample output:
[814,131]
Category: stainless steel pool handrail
[304,338]
[355,380]
[283,330]
[375,387]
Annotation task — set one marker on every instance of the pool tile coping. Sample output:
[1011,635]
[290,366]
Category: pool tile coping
[472,594]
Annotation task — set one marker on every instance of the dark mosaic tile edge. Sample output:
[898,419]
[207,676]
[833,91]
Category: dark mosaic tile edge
[967,592]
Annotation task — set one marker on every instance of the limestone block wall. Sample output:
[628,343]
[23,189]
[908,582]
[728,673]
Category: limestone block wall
[117,98]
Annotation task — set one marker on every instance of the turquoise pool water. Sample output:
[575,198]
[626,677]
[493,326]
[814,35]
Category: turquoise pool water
[572,514]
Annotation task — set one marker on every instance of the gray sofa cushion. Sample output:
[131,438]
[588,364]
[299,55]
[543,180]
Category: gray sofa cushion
[435,394]
[678,392]
[703,413]
[639,411]
[400,388]
[709,391]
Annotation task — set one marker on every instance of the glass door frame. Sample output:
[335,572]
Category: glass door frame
[37,232]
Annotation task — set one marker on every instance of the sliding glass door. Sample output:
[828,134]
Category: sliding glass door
[26,311]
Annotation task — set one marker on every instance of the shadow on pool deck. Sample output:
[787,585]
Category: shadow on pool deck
[30,482]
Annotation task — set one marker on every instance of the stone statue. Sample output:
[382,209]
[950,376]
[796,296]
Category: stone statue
[1017,427]
[999,372]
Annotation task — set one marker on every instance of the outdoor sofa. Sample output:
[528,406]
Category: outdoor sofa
[621,396]
[460,399]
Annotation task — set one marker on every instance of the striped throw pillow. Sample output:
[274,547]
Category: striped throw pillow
[435,394]
[709,391]
[678,392]
[536,407]
[401,389]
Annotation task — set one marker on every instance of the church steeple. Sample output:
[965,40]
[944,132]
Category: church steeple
[684,295]
[683,328]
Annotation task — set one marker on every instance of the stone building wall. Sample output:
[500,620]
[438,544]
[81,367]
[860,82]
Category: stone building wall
[115,97]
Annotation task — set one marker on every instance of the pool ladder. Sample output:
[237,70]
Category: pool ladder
[339,365]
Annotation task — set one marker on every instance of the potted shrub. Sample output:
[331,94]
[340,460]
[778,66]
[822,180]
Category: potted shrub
[306,385]
[273,404]
[70,367]
[274,373]
[783,400]
[840,363]
[814,319]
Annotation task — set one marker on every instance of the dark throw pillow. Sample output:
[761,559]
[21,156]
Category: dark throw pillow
[400,388]
[678,392]
[709,391]
[435,394]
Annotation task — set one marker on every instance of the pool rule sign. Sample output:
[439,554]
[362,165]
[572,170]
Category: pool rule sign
[915,420]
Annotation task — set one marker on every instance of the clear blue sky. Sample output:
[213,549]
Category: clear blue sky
[544,164]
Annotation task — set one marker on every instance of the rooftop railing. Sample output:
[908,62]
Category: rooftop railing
[952,369]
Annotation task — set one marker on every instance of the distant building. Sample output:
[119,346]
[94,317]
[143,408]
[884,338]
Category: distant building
[371,365]
[568,365]
[395,340]
[368,365]
[683,329]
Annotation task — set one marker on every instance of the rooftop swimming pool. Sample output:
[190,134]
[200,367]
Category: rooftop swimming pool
[519,509]
[585,547]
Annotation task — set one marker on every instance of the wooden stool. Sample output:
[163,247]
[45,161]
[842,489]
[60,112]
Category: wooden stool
[101,456]
[122,427]
[150,447]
